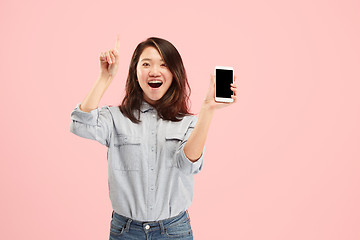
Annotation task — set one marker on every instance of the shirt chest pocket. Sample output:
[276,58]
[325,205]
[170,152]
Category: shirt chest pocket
[129,152]
[173,141]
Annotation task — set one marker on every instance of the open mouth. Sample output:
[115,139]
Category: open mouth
[155,83]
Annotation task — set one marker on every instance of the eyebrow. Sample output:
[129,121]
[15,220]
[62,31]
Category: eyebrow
[149,59]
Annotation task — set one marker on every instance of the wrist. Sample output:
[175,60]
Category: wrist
[105,76]
[207,106]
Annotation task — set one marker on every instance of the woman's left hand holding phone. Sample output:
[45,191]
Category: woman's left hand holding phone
[209,101]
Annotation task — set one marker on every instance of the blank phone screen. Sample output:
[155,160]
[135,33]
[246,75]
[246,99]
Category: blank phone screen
[223,80]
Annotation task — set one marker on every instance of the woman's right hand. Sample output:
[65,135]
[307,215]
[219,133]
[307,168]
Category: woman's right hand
[109,60]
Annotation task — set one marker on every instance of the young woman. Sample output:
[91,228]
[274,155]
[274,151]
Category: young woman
[155,145]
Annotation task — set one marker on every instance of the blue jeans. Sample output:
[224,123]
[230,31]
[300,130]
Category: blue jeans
[178,227]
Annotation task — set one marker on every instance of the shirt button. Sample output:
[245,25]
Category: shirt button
[152,132]
[154,115]
[152,148]
[152,188]
[147,227]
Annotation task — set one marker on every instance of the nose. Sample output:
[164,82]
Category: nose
[154,71]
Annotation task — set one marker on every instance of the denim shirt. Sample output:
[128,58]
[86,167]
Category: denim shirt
[150,178]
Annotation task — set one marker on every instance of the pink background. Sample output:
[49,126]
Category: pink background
[282,163]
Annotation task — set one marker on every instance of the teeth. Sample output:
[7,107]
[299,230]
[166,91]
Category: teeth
[155,81]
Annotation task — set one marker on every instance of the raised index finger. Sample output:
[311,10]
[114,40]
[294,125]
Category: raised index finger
[117,44]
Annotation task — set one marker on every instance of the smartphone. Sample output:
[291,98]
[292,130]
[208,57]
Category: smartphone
[224,76]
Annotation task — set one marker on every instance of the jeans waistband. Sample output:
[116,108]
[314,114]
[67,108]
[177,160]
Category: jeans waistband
[164,222]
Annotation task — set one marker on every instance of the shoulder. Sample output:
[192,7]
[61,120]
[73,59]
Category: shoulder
[191,119]
[114,111]
[187,121]
[113,108]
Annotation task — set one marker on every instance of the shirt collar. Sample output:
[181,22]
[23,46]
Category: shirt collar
[145,106]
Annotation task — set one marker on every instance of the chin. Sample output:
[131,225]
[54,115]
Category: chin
[155,100]
[153,97]
[151,100]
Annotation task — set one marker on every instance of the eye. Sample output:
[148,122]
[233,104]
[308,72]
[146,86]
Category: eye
[146,64]
[164,65]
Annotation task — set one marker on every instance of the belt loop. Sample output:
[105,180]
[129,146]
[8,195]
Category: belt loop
[127,227]
[187,214]
[162,227]
[112,214]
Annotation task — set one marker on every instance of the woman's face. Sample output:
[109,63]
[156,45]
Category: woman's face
[153,75]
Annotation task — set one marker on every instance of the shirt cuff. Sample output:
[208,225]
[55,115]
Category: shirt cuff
[89,118]
[192,167]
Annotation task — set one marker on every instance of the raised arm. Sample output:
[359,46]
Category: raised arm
[194,146]
[109,63]
[87,120]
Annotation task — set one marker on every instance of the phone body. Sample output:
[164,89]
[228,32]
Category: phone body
[224,76]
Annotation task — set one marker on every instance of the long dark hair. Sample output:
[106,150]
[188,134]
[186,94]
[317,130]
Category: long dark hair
[174,105]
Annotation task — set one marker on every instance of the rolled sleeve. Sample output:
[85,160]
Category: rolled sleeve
[96,124]
[186,164]
[191,167]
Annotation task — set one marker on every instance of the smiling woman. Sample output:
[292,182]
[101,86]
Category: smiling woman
[153,75]
[157,75]
[153,156]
